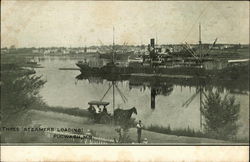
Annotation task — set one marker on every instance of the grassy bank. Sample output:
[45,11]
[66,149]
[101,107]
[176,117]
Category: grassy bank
[69,111]
[179,132]
[188,132]
[60,120]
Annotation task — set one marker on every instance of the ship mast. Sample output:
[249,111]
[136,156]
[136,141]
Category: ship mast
[200,45]
[113,60]
[113,53]
[113,84]
[201,88]
[156,39]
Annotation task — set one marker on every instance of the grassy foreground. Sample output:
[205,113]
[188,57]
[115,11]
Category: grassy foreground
[60,120]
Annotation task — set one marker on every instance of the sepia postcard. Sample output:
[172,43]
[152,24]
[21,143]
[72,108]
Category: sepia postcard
[125,73]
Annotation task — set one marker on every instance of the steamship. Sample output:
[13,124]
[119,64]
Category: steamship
[155,62]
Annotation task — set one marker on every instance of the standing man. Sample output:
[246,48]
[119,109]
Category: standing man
[139,127]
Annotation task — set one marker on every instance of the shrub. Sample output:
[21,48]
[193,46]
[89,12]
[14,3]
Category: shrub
[220,115]
[18,93]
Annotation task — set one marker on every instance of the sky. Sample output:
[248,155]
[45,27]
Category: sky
[78,23]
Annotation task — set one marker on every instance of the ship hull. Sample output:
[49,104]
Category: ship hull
[142,69]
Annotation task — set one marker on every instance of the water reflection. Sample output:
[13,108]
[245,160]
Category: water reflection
[159,101]
[157,87]
[165,87]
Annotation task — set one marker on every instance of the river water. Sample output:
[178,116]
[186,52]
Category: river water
[63,89]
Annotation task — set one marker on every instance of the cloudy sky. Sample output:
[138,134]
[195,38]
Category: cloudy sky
[61,23]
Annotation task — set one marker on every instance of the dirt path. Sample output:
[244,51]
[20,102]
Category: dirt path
[59,120]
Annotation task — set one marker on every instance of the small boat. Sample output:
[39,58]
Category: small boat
[32,62]
[135,59]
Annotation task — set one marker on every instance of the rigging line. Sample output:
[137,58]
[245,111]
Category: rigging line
[202,12]
[211,46]
[106,92]
[190,99]
[190,51]
[220,32]
[118,90]
[204,94]
[122,96]
[222,14]
[107,47]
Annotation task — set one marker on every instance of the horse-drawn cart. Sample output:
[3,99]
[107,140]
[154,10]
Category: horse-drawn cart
[99,111]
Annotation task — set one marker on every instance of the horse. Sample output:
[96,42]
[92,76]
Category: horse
[122,116]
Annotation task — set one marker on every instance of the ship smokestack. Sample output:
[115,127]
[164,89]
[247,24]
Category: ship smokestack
[152,53]
[152,42]
[153,94]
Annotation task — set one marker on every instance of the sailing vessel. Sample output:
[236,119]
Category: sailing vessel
[153,63]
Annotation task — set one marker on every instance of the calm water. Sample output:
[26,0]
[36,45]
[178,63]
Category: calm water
[63,89]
